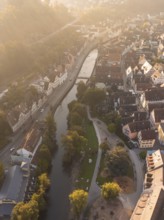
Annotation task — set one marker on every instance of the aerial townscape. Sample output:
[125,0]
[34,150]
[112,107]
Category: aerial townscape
[81,110]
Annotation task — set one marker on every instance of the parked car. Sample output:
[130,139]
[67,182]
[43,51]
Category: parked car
[12,149]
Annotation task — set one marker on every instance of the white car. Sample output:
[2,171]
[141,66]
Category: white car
[12,149]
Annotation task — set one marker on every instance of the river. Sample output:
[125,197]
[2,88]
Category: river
[60,181]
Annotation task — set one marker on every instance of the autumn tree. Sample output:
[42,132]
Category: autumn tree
[44,181]
[25,211]
[78,199]
[39,197]
[110,190]
[104,146]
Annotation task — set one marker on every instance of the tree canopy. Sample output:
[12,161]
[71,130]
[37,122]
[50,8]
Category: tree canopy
[110,190]
[78,199]
[94,96]
[118,162]
[81,88]
[74,144]
[25,211]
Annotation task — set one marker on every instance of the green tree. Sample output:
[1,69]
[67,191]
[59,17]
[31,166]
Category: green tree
[79,129]
[74,119]
[49,136]
[43,166]
[110,190]
[2,174]
[78,199]
[81,88]
[25,211]
[112,128]
[118,162]
[142,155]
[44,153]
[4,128]
[94,96]
[74,144]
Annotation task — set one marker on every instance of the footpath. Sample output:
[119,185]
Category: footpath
[128,200]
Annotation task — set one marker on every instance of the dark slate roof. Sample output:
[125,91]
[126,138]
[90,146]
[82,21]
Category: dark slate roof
[126,120]
[5,210]
[127,100]
[143,86]
[152,106]
[140,116]
[148,134]
[12,187]
[139,125]
[159,114]
[125,110]
[121,94]
[154,94]
[141,79]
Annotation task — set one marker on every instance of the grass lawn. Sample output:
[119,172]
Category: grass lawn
[86,168]
[102,179]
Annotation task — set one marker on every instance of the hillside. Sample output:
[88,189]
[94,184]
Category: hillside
[22,23]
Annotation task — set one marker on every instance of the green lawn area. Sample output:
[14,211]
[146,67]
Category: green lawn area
[86,168]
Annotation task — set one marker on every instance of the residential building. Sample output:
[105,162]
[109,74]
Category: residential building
[156,116]
[131,130]
[150,203]
[13,189]
[157,77]
[146,138]
[153,95]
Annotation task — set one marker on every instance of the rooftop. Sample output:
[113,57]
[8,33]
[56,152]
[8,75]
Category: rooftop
[148,134]
[139,125]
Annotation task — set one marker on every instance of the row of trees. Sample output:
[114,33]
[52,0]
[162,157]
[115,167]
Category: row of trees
[46,150]
[4,128]
[75,141]
[78,198]
[31,209]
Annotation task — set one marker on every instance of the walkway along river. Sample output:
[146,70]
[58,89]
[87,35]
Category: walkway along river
[60,181]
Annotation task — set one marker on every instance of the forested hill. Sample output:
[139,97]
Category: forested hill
[147,6]
[29,20]
[22,23]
